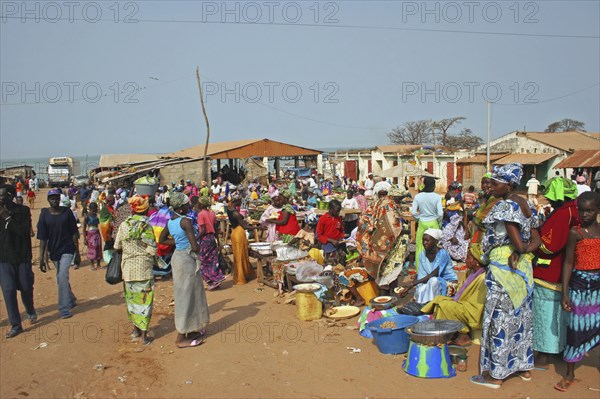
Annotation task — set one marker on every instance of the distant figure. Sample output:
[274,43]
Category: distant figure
[581,186]
[532,190]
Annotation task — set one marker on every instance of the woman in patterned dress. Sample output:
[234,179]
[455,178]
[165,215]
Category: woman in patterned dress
[509,239]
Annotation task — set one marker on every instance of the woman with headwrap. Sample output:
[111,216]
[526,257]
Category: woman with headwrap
[427,211]
[453,236]
[135,239]
[207,240]
[242,270]
[506,344]
[487,202]
[436,275]
[378,228]
[467,304]
[106,217]
[286,222]
[191,308]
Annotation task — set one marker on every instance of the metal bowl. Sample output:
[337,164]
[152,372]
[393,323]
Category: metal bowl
[383,302]
[434,332]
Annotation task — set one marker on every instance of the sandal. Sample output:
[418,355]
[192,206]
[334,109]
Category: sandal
[191,344]
[480,380]
[564,384]
[521,376]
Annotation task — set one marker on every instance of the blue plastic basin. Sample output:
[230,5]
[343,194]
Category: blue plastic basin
[395,340]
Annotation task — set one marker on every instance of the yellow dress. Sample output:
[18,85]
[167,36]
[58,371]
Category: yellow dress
[242,272]
[468,309]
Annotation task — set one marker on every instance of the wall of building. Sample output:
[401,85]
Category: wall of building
[188,170]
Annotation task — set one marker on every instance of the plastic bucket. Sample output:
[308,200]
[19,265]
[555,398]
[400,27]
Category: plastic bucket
[429,361]
[367,290]
[146,189]
[395,340]
[308,306]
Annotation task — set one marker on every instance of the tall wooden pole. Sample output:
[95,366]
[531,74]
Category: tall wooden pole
[206,168]
[489,128]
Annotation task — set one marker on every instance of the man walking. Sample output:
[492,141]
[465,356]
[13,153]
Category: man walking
[15,259]
[58,235]
[532,190]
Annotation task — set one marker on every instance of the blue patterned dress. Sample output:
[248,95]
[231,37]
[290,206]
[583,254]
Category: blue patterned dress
[507,340]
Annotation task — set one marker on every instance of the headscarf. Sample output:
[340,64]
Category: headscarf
[178,199]
[475,250]
[435,233]
[204,202]
[487,175]
[453,205]
[509,174]
[284,192]
[395,191]
[139,204]
[311,218]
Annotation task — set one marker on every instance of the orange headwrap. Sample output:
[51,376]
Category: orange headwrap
[138,203]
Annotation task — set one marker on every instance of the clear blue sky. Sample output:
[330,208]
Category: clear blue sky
[372,58]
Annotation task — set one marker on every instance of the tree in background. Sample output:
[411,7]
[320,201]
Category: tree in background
[465,139]
[440,129]
[566,125]
[418,132]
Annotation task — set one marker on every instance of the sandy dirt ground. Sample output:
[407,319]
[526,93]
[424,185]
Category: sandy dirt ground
[255,348]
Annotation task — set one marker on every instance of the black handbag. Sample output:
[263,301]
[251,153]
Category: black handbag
[114,275]
[225,263]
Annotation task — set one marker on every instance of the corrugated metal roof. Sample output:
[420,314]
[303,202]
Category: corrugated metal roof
[110,160]
[581,159]
[244,149]
[481,158]
[567,141]
[525,159]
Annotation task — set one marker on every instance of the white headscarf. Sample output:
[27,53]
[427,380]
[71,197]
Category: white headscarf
[435,233]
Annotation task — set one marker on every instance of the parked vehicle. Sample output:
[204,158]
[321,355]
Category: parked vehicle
[60,171]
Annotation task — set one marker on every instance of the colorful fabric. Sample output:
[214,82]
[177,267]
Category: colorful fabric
[479,217]
[242,271]
[178,199]
[158,221]
[549,318]
[517,282]
[393,264]
[363,204]
[94,245]
[466,306]
[209,259]
[139,204]
[121,214]
[507,211]
[437,285]
[507,339]
[560,189]
[510,173]
[583,331]
[106,217]
[554,233]
[586,253]
[351,277]
[378,229]
[423,225]
[139,297]
[336,257]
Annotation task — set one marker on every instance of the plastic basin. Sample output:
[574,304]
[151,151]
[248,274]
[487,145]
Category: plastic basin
[395,340]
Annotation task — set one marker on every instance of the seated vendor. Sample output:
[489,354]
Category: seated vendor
[305,238]
[467,304]
[436,275]
[454,238]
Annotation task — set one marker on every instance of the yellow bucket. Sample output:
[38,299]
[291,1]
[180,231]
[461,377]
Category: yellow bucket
[367,290]
[308,306]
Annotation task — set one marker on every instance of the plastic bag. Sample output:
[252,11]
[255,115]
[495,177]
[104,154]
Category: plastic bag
[308,271]
[114,274]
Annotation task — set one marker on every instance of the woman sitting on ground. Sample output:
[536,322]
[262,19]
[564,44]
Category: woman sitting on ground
[435,275]
[467,304]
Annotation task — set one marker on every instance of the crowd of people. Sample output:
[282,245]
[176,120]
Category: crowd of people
[532,280]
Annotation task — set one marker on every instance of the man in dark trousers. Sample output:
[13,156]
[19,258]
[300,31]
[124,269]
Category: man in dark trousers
[58,235]
[15,258]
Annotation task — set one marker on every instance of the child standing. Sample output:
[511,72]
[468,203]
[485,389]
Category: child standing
[91,235]
[31,198]
[581,286]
